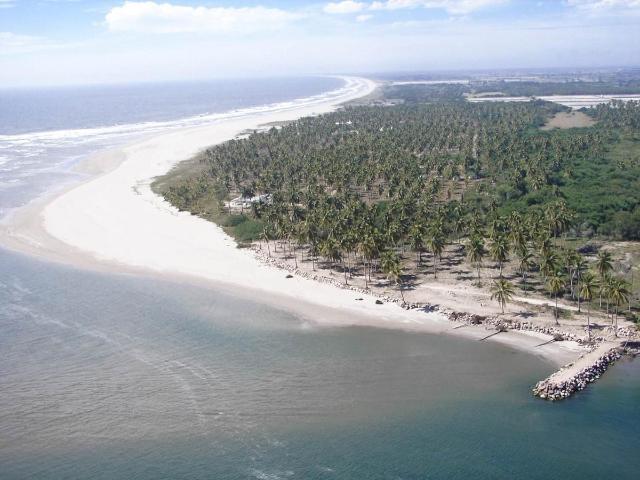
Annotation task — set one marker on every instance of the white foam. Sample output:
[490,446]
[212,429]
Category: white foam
[85,135]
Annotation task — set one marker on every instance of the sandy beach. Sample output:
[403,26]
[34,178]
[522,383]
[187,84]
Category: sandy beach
[115,222]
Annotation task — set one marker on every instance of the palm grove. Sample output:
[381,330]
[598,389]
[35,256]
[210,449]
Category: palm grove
[391,191]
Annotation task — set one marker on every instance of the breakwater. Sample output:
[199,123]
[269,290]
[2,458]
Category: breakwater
[575,377]
[571,378]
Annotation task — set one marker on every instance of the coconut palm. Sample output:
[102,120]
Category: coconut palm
[588,287]
[416,241]
[435,244]
[390,264]
[266,237]
[548,263]
[367,249]
[499,250]
[502,291]
[476,252]
[580,266]
[619,294]
[555,284]
[603,265]
[525,264]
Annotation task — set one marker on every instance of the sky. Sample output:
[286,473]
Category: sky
[53,42]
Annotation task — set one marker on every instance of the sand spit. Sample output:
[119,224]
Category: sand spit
[115,221]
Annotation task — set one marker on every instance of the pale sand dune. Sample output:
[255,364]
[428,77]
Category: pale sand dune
[117,220]
[573,119]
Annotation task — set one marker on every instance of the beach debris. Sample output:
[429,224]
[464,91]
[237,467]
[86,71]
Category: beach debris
[289,276]
[379,302]
[557,337]
[500,327]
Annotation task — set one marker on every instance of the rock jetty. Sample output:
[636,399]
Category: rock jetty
[562,384]
[566,382]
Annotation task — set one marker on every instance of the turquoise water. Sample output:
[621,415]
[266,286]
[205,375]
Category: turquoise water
[120,377]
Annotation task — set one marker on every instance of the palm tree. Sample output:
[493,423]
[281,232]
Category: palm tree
[390,264]
[367,248]
[265,236]
[580,266]
[331,251]
[619,293]
[502,291]
[435,243]
[417,242]
[525,263]
[603,265]
[555,284]
[499,250]
[606,285]
[548,263]
[587,289]
[476,252]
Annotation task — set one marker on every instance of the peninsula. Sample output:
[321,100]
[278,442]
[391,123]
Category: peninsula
[450,209]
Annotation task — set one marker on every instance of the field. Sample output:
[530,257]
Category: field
[571,119]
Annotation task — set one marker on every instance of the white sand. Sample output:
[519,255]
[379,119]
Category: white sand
[115,219]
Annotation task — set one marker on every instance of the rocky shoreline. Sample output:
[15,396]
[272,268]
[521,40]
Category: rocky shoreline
[548,388]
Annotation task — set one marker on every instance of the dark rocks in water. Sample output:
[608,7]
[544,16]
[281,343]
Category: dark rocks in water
[379,302]
[289,276]
[358,299]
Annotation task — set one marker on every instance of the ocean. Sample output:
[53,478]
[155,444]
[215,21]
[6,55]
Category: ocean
[107,376]
[44,133]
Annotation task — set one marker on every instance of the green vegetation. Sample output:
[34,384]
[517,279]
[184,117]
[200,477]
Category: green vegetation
[187,188]
[363,186]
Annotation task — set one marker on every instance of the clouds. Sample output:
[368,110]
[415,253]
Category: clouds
[152,17]
[605,4]
[347,6]
[453,7]
[9,40]
[158,18]
[17,44]
[197,39]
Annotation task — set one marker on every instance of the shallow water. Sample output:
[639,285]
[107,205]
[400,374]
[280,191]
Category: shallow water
[113,377]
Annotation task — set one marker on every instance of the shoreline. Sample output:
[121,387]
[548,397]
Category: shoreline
[114,223]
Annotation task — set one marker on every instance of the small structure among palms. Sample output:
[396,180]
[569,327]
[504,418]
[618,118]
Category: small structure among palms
[502,291]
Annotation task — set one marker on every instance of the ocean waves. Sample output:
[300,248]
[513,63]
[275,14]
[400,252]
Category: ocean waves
[34,163]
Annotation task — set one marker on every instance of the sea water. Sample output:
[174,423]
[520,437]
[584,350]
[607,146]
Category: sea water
[45,132]
[122,377]
[107,376]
